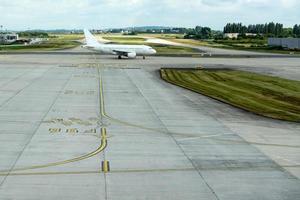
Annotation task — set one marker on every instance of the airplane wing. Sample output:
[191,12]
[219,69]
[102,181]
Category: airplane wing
[121,53]
[130,54]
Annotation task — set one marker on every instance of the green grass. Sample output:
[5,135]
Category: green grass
[55,42]
[264,95]
[168,36]
[167,49]
[125,39]
[243,42]
[265,49]
[68,37]
[45,46]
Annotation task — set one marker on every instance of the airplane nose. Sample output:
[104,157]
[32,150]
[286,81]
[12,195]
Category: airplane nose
[154,51]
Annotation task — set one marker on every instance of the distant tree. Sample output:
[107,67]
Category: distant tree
[131,33]
[296,30]
[179,30]
[233,28]
[278,29]
[218,35]
[203,32]
[271,28]
[33,34]
[199,33]
[287,32]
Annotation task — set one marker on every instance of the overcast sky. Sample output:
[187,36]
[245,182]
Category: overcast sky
[52,14]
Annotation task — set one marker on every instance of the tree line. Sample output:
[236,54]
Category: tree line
[199,33]
[268,29]
[262,30]
[30,34]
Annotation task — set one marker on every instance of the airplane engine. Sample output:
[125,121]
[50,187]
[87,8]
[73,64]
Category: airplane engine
[131,55]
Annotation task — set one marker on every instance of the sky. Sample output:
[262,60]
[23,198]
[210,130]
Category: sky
[77,14]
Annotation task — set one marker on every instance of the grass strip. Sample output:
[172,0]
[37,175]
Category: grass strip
[264,95]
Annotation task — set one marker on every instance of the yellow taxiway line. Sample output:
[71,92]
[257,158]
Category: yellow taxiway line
[53,173]
[86,156]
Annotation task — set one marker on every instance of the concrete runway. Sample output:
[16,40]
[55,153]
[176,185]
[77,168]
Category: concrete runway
[94,127]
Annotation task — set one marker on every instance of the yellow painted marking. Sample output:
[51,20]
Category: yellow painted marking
[54,130]
[96,172]
[93,130]
[72,130]
[123,171]
[101,96]
[86,156]
[103,133]
[105,166]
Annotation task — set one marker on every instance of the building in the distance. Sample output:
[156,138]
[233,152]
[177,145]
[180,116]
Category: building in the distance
[8,38]
[250,34]
[231,35]
[236,35]
[286,43]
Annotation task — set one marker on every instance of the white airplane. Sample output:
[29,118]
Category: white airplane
[129,51]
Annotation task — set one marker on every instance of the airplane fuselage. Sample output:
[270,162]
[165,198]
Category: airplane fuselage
[139,50]
[130,51]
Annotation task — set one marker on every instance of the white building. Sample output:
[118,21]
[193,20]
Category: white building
[231,35]
[236,35]
[251,34]
[8,38]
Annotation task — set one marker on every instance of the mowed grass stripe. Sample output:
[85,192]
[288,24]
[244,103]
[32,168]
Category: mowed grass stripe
[266,85]
[264,95]
[230,94]
[227,94]
[242,88]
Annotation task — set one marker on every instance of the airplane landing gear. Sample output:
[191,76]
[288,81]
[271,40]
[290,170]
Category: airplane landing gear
[144,57]
[119,57]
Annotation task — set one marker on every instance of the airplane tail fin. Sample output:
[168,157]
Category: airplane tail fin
[90,39]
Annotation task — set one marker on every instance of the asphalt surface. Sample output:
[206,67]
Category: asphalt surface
[94,127]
